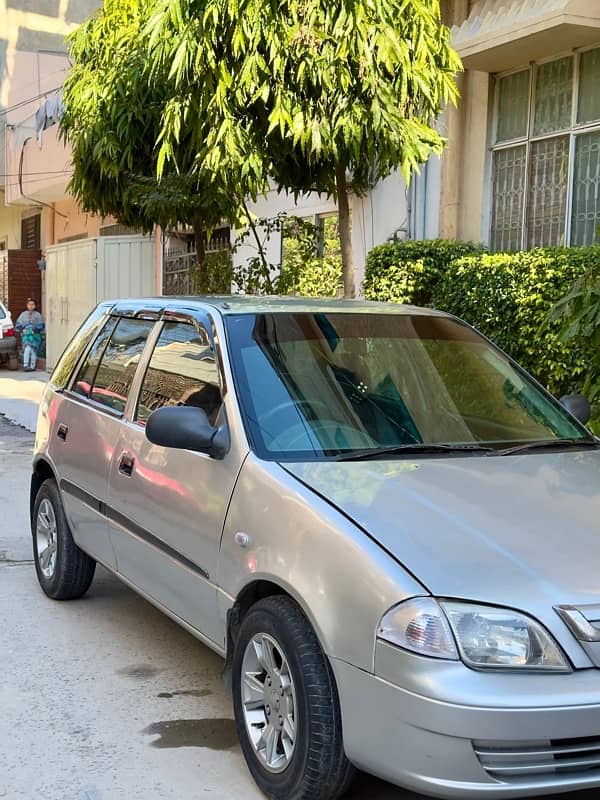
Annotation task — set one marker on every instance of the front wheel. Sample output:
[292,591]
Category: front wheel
[63,570]
[286,705]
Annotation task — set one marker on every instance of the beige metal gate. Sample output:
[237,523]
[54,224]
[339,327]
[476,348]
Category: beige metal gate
[83,273]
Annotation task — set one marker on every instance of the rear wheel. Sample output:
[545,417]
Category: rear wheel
[13,362]
[63,570]
[286,705]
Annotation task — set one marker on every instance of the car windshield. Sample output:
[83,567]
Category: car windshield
[3,313]
[320,385]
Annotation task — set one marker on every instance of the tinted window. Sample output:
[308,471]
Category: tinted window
[68,360]
[182,372]
[87,372]
[2,312]
[119,363]
[314,385]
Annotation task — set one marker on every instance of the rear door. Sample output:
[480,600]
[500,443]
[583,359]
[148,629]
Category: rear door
[167,507]
[85,429]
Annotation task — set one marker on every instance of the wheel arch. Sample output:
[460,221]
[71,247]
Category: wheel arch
[248,595]
[42,471]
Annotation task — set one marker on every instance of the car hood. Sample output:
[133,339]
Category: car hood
[510,530]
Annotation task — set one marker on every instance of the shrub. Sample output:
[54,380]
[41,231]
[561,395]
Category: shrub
[510,296]
[408,272]
[303,272]
[578,315]
[320,277]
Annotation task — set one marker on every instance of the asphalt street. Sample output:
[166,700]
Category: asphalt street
[105,698]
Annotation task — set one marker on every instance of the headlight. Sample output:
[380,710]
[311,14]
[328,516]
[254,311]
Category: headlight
[483,637]
[499,638]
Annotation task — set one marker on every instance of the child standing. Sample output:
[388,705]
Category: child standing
[30,325]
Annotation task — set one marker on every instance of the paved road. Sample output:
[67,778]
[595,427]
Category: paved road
[105,698]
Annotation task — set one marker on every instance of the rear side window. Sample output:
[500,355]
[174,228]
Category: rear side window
[108,371]
[87,372]
[76,347]
[182,372]
[119,363]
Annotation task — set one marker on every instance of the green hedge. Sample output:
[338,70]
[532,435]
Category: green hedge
[509,297]
[408,272]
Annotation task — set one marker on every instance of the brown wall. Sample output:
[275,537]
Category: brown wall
[24,280]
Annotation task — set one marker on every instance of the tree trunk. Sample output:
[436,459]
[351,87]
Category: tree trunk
[265,269]
[345,228]
[201,282]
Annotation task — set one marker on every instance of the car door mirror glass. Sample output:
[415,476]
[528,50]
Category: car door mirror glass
[186,428]
[578,406]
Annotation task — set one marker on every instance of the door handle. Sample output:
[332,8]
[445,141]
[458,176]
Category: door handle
[126,465]
[62,432]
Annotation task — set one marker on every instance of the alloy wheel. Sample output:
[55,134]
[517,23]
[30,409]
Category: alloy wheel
[46,536]
[269,702]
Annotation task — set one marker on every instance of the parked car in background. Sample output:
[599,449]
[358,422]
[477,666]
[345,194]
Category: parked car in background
[385,526]
[8,340]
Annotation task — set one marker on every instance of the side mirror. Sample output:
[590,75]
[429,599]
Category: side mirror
[577,405]
[186,428]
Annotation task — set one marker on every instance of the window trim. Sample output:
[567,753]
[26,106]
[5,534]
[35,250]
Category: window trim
[575,130]
[94,404]
[140,374]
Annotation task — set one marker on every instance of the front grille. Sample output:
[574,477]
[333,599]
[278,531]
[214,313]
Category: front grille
[535,759]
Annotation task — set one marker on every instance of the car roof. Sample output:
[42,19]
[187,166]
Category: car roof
[253,304]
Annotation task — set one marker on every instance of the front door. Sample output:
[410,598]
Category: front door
[167,507]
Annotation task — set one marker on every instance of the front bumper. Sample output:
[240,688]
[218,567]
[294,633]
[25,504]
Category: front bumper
[424,734]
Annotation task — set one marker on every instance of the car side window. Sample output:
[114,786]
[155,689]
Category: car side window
[84,381]
[76,347]
[119,362]
[182,372]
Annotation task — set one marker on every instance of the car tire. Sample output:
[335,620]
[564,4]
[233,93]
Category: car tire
[276,643]
[13,362]
[64,571]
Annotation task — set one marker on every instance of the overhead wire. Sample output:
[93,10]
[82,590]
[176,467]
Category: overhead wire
[29,174]
[22,103]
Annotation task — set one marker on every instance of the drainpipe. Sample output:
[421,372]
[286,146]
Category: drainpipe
[158,261]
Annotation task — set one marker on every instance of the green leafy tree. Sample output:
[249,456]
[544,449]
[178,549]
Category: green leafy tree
[321,95]
[116,101]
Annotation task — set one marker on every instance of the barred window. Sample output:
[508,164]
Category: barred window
[546,155]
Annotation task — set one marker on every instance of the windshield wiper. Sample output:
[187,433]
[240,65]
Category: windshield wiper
[417,448]
[548,444]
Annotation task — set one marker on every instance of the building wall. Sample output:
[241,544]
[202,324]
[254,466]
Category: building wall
[66,221]
[44,168]
[33,65]
[495,37]
[10,224]
[381,214]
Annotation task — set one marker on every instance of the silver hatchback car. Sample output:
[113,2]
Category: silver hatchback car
[389,531]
